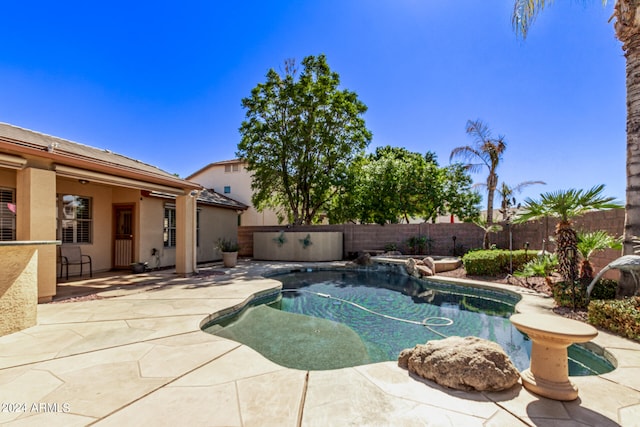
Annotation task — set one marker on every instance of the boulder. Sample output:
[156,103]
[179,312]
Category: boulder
[411,267]
[423,270]
[468,363]
[364,259]
[429,262]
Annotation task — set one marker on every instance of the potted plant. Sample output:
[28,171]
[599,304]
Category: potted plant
[229,251]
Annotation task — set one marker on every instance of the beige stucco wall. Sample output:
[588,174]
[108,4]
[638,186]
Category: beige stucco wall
[35,200]
[215,223]
[151,226]
[100,248]
[19,284]
[214,177]
[324,246]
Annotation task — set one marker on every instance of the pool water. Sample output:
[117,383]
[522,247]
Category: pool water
[334,319]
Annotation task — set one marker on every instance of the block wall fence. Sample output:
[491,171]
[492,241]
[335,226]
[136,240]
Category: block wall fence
[362,237]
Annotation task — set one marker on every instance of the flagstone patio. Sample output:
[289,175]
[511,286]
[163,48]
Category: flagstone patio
[135,355]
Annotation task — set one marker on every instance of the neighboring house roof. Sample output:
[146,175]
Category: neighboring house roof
[211,197]
[210,165]
[60,151]
[208,197]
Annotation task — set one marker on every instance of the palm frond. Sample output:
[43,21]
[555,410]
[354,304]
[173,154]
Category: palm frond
[590,242]
[525,13]
[566,204]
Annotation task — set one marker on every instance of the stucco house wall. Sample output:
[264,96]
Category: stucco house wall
[39,169]
[233,175]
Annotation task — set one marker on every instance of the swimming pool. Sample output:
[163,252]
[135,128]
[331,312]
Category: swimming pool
[334,319]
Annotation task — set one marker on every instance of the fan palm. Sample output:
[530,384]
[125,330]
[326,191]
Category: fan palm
[627,29]
[566,205]
[590,242]
[488,151]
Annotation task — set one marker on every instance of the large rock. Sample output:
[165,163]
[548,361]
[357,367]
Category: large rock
[468,363]
[410,266]
[429,262]
[423,270]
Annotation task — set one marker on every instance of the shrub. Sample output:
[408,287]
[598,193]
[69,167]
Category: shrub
[539,266]
[604,289]
[494,262]
[563,295]
[621,317]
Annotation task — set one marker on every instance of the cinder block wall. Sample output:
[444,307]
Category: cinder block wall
[360,237]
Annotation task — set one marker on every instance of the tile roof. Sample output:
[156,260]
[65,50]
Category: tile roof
[38,141]
[208,197]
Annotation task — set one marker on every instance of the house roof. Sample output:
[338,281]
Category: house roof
[210,165]
[208,197]
[14,139]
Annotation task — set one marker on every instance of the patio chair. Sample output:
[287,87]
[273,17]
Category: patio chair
[72,255]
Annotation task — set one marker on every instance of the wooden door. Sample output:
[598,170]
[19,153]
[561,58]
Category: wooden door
[124,237]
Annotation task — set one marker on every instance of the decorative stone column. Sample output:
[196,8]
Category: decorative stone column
[550,336]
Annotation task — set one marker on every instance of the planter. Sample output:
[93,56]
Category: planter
[299,246]
[229,259]
[138,267]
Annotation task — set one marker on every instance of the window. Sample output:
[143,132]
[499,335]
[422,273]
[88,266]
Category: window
[74,219]
[227,189]
[7,214]
[169,228]
[169,231]
[227,168]
[235,167]
[232,168]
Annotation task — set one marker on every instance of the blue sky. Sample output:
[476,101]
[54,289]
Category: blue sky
[161,81]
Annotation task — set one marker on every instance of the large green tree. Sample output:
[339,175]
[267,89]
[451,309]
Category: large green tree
[298,138]
[627,29]
[395,185]
[486,151]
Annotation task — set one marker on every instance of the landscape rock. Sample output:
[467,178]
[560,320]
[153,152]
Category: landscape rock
[468,363]
[423,270]
[364,259]
[429,262]
[411,267]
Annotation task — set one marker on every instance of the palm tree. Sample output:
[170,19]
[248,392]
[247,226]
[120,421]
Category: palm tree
[627,28]
[487,228]
[590,242]
[565,205]
[488,151]
[507,194]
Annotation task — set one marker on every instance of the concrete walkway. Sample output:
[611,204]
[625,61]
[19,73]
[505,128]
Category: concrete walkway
[137,356]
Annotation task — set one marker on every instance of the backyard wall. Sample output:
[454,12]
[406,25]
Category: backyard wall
[358,238]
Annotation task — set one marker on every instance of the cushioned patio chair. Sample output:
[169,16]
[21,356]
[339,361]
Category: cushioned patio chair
[72,255]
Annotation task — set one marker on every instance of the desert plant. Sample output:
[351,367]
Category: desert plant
[590,242]
[227,245]
[565,205]
[541,266]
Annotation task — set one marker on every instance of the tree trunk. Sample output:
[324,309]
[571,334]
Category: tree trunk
[628,32]
[492,182]
[567,240]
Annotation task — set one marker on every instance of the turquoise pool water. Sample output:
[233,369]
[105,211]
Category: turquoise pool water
[334,319]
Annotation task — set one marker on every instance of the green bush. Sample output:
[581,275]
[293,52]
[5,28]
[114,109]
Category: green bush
[604,289]
[621,317]
[563,295]
[494,262]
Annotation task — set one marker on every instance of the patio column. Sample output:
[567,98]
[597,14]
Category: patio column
[36,221]
[186,235]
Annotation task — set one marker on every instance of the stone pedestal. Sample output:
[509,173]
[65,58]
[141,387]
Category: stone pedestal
[550,335]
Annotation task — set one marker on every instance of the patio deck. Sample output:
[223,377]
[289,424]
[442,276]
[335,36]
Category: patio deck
[136,356]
